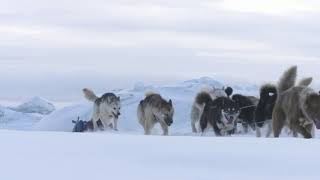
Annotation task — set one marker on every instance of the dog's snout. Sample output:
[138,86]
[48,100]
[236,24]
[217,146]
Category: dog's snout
[169,121]
[119,113]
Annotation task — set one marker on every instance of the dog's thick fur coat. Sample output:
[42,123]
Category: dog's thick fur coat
[106,109]
[154,109]
[197,108]
[263,113]
[247,110]
[221,114]
[297,106]
[203,97]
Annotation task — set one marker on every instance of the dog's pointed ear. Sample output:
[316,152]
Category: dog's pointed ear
[170,102]
[118,98]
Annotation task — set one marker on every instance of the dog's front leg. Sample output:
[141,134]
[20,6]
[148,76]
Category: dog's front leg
[95,125]
[258,132]
[269,130]
[193,126]
[115,124]
[278,120]
[147,127]
[105,124]
[164,129]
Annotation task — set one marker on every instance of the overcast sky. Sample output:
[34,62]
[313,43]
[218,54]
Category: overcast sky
[54,47]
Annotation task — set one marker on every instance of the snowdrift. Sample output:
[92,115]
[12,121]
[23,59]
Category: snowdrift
[36,105]
[24,116]
[10,119]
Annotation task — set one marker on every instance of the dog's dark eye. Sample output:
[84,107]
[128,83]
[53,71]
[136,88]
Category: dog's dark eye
[115,108]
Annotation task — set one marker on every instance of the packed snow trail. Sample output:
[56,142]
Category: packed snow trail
[97,156]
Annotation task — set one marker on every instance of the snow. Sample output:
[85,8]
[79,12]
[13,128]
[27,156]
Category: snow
[25,115]
[61,120]
[49,150]
[10,119]
[96,156]
[36,105]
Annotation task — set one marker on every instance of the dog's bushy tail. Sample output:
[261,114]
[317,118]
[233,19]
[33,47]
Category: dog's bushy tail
[288,79]
[203,97]
[89,94]
[305,82]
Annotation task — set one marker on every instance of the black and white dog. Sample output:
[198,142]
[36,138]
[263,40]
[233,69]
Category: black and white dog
[221,114]
[247,106]
[263,113]
[247,111]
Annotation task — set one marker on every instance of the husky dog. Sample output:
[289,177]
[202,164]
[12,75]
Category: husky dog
[263,113]
[297,106]
[221,114]
[154,109]
[201,99]
[106,109]
[247,110]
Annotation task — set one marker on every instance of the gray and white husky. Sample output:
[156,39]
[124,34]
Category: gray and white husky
[297,106]
[154,109]
[200,101]
[106,109]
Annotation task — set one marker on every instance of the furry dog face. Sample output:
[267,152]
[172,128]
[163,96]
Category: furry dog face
[166,113]
[115,107]
[312,108]
[111,104]
[221,114]
[227,108]
[230,112]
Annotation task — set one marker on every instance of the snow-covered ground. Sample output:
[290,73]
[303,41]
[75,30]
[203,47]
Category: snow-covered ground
[25,115]
[48,149]
[96,156]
